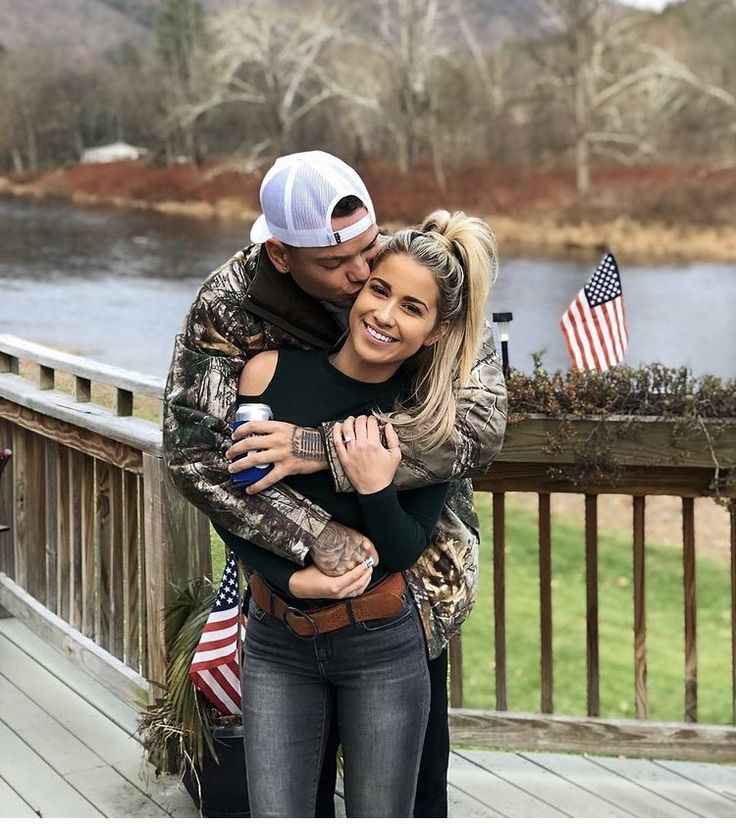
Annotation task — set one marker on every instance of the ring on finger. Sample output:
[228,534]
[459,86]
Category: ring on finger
[368,562]
[346,439]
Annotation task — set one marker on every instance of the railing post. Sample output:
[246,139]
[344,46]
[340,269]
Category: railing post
[499,596]
[690,605]
[545,603]
[591,604]
[176,548]
[641,695]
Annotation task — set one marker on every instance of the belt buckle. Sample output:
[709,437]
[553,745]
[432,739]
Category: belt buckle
[290,609]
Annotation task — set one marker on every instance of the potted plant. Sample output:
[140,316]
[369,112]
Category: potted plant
[591,427]
[182,732]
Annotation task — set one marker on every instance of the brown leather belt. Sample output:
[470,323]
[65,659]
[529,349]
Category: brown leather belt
[383,601]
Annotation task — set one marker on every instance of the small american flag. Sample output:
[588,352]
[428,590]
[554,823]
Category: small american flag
[215,669]
[594,325]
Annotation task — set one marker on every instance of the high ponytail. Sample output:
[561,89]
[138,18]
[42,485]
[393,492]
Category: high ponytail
[460,252]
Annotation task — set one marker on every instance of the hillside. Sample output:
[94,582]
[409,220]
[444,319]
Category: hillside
[94,26]
[86,26]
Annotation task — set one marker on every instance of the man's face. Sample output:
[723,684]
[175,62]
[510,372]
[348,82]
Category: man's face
[335,273]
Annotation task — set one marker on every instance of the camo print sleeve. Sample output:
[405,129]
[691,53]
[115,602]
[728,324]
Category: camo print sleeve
[479,429]
[200,398]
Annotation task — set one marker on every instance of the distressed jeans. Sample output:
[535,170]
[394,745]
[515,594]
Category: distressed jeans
[376,674]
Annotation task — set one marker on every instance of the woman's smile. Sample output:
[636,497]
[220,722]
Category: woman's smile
[380,338]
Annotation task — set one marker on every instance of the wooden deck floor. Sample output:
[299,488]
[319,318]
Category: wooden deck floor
[67,748]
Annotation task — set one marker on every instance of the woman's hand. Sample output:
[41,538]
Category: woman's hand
[369,464]
[311,582]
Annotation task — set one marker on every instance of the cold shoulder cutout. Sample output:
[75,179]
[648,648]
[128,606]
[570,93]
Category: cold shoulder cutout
[258,373]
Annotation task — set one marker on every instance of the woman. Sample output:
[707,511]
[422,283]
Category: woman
[356,639]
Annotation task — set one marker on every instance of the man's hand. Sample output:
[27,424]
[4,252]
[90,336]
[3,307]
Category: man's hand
[340,548]
[311,582]
[293,450]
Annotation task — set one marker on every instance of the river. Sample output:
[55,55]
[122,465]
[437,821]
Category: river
[114,285]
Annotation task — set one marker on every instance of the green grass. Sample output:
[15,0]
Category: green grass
[664,605]
[665,645]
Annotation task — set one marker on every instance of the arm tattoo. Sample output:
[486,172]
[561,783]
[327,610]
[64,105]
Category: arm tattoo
[308,445]
[338,548]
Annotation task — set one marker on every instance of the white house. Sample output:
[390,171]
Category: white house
[112,152]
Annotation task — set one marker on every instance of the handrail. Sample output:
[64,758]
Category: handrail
[134,432]
[18,349]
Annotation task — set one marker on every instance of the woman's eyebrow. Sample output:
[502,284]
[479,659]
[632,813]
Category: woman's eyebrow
[410,298]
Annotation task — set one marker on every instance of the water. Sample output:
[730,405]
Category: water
[114,285]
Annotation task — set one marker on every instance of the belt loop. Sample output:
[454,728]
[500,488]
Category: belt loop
[349,608]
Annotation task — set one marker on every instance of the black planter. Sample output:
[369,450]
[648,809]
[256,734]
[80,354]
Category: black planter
[223,786]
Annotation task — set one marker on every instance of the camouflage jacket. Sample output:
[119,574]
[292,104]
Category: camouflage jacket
[246,306]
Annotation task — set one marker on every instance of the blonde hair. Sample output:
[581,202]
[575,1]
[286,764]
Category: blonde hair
[460,252]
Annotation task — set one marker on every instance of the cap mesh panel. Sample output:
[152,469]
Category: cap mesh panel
[273,199]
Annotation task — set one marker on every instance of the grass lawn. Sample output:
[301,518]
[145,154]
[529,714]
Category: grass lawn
[664,605]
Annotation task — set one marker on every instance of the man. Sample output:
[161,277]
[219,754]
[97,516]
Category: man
[293,288]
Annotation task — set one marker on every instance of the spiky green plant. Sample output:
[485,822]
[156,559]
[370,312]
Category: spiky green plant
[176,729]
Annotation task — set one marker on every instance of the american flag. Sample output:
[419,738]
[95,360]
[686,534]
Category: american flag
[215,668]
[594,325]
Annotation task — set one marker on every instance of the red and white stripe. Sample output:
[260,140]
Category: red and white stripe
[596,336]
[215,668]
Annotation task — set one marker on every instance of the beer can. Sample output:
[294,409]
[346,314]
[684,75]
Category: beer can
[244,413]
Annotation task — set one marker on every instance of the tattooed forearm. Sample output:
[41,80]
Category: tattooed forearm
[308,445]
[339,548]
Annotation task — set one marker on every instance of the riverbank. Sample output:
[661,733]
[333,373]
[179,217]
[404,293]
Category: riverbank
[646,215]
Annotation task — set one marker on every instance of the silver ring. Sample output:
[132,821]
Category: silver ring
[352,594]
[346,439]
[368,562]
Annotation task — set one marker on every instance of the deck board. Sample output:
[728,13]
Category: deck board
[40,787]
[85,733]
[12,805]
[567,797]
[718,777]
[636,800]
[504,799]
[693,797]
[68,748]
[64,670]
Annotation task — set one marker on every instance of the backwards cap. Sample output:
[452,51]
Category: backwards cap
[298,195]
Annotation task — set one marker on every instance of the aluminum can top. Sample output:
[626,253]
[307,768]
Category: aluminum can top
[253,412]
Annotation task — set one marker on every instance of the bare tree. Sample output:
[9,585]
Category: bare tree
[592,58]
[273,60]
[183,44]
[405,38]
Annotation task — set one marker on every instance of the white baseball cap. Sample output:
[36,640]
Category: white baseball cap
[298,195]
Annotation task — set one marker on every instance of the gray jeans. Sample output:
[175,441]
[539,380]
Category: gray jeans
[376,672]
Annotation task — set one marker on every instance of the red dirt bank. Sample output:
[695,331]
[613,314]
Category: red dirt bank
[652,213]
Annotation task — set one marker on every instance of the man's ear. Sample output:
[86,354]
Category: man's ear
[439,332]
[277,254]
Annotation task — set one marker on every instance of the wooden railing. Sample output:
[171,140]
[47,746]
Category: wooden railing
[98,533]
[651,461]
